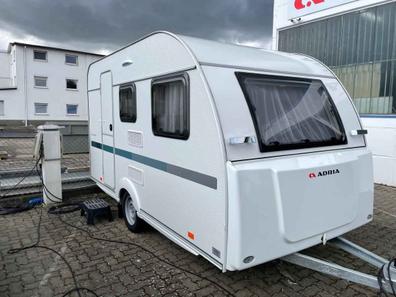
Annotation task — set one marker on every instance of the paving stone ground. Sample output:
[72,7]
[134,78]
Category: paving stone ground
[120,270]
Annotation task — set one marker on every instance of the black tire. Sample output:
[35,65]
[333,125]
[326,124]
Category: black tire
[132,221]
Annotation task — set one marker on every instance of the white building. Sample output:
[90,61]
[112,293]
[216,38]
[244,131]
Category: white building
[357,40]
[43,84]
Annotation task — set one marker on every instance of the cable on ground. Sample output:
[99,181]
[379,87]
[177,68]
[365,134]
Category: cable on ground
[383,279]
[58,210]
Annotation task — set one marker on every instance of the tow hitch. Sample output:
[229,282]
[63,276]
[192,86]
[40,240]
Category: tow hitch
[384,281]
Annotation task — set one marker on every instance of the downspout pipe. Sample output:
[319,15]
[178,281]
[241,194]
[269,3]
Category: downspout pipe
[25,85]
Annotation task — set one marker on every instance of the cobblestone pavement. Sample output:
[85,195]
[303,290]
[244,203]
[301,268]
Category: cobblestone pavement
[119,270]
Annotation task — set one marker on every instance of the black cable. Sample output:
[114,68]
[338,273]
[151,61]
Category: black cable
[6,210]
[381,278]
[58,210]
[390,276]
[37,245]
[72,207]
[48,192]
[21,180]
[229,293]
[64,208]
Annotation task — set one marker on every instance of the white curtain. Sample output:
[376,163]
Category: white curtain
[289,112]
[170,107]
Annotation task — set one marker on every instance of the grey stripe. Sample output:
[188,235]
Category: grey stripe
[194,176]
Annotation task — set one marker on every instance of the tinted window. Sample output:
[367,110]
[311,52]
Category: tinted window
[127,96]
[71,59]
[1,107]
[40,55]
[41,108]
[71,108]
[40,81]
[170,107]
[71,84]
[291,113]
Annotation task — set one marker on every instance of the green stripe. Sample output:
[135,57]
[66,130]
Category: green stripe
[194,176]
[108,148]
[96,144]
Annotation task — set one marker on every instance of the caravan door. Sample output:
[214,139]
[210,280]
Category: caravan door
[106,98]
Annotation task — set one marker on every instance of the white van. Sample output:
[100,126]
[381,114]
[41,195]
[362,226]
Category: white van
[237,154]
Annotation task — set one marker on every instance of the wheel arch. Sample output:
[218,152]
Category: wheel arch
[126,186]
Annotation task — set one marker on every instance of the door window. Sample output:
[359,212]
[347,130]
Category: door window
[127,97]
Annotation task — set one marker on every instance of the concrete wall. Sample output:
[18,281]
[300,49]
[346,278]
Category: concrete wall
[19,103]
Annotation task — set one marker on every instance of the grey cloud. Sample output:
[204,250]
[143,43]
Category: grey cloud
[104,24]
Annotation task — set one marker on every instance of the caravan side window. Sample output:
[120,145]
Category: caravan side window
[291,113]
[170,107]
[127,95]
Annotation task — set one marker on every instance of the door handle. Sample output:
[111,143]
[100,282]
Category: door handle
[359,132]
[242,139]
[111,127]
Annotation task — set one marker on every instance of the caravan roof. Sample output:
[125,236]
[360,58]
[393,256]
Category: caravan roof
[214,53]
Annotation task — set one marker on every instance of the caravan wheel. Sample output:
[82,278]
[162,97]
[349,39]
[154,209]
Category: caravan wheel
[132,221]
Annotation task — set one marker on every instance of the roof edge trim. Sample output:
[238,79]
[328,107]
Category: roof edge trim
[145,37]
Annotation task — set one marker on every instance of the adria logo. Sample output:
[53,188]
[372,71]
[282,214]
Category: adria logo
[312,175]
[301,4]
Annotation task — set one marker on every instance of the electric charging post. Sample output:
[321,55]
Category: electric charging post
[51,163]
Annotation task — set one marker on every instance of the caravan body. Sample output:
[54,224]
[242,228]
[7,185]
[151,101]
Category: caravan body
[237,154]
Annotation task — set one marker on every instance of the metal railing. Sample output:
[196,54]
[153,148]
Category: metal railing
[18,173]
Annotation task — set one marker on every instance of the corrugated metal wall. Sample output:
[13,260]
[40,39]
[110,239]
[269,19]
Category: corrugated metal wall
[361,49]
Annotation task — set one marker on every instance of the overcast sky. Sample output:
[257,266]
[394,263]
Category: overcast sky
[105,25]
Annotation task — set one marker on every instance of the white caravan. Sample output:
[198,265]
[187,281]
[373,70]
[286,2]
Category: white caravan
[237,154]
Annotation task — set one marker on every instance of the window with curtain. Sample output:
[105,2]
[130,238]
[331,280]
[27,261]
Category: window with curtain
[127,97]
[291,113]
[170,107]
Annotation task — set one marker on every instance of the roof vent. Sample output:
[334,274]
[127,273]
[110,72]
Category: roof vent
[127,63]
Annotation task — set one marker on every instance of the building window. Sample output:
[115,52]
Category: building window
[40,55]
[40,81]
[71,59]
[41,108]
[290,113]
[170,107]
[1,107]
[71,109]
[71,84]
